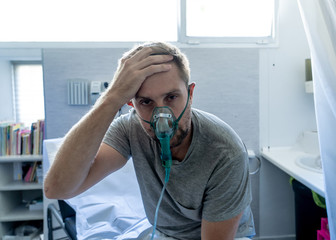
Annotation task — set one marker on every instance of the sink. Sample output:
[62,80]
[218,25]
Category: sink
[312,163]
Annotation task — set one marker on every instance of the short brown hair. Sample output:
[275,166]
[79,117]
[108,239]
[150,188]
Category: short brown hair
[180,58]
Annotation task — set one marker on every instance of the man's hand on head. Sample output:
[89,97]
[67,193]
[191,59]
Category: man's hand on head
[133,71]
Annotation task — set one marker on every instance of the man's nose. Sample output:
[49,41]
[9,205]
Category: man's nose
[160,103]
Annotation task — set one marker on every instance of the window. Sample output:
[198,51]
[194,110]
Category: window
[28,92]
[134,20]
[88,21]
[227,20]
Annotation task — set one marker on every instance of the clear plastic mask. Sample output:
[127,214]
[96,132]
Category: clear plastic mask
[163,121]
[164,124]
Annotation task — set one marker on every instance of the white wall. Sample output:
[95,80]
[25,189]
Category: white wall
[285,111]
[6,110]
[285,108]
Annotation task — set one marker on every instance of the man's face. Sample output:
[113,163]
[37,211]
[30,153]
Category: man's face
[164,89]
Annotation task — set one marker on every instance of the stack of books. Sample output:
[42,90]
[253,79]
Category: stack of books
[29,172]
[15,139]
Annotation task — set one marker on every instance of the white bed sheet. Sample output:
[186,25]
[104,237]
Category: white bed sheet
[112,209]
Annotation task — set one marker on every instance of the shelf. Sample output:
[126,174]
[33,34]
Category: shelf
[21,185]
[21,158]
[22,213]
[15,193]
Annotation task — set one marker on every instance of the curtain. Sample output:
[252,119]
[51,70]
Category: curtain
[319,20]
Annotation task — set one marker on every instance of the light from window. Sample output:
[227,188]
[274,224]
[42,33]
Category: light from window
[28,93]
[136,21]
[88,21]
[229,18]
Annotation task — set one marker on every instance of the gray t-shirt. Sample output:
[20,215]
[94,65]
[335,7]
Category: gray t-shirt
[211,183]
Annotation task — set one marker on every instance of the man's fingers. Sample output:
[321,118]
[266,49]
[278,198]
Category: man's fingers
[154,60]
[133,71]
[148,56]
[149,65]
[141,54]
[152,69]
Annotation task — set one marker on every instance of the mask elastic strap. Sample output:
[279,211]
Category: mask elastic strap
[150,123]
[179,118]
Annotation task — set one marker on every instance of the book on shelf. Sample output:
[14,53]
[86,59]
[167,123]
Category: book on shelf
[15,139]
[39,173]
[28,174]
[17,170]
[30,171]
[33,173]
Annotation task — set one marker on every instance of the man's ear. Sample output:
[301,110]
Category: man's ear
[130,103]
[191,90]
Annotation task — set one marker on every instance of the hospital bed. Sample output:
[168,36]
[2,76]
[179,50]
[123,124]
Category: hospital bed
[112,209]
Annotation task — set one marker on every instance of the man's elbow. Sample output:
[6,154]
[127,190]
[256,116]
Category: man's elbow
[48,193]
[52,191]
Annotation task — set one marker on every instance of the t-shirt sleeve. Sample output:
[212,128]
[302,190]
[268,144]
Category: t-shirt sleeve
[117,136]
[228,191]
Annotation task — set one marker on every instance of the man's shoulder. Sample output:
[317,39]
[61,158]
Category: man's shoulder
[205,119]
[124,123]
[124,118]
[208,126]
[203,114]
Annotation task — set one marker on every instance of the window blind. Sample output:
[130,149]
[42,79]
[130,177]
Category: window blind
[28,92]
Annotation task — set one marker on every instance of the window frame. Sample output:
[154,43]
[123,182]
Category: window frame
[182,39]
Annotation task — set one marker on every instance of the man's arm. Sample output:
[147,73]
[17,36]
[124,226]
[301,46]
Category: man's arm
[76,166]
[82,159]
[223,230]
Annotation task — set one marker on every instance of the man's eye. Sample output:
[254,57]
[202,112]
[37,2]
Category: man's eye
[171,97]
[145,102]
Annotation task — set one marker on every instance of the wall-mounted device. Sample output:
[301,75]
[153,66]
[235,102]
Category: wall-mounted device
[81,91]
[95,91]
[78,92]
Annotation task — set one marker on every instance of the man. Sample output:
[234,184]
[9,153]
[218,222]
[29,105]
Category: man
[208,193]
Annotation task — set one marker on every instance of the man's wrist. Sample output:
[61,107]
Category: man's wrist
[110,102]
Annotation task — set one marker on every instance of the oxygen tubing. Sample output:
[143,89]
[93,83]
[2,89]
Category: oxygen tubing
[160,199]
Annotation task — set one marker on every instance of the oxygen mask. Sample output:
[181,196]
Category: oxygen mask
[164,124]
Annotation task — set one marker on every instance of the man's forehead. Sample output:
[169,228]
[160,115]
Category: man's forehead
[162,83]
[157,94]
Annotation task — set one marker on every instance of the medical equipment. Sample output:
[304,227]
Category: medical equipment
[164,124]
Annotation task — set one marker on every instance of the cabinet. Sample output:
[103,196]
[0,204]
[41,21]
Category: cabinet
[14,195]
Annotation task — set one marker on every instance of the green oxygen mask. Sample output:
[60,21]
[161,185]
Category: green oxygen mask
[164,124]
